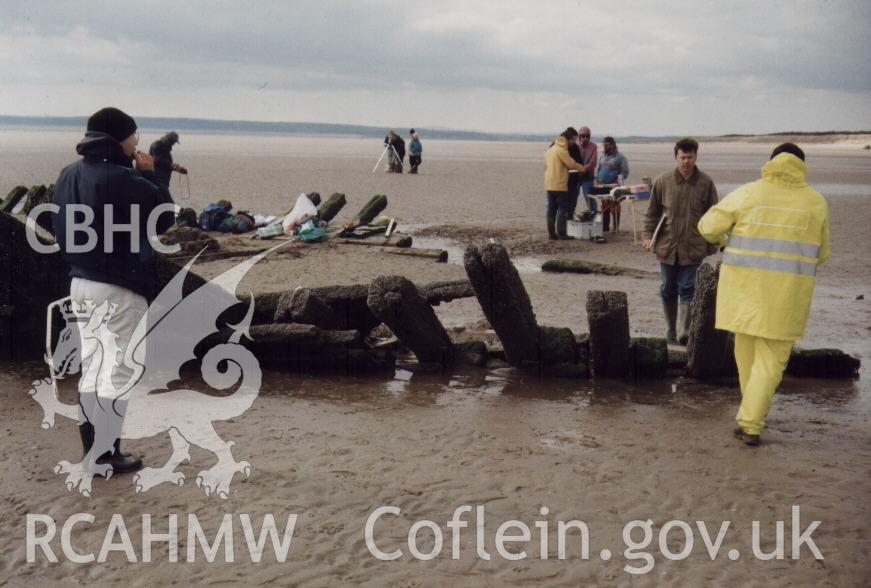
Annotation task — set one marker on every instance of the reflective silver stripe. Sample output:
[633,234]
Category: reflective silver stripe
[792,266]
[774,246]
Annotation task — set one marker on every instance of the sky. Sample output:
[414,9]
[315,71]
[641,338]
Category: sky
[669,67]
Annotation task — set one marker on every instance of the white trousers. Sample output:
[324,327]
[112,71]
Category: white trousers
[104,375]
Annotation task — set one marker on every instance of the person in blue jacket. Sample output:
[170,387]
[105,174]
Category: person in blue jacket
[415,150]
[612,164]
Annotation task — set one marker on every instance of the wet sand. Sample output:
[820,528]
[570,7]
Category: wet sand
[333,449]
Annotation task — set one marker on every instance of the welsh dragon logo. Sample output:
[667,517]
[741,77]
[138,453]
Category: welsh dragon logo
[147,403]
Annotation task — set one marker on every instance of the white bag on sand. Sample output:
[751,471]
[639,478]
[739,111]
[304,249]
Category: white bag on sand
[301,212]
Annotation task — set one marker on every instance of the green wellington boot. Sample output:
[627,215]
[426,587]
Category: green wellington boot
[669,308]
[683,319]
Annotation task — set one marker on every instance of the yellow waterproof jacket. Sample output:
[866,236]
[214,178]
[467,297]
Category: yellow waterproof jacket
[776,233]
[557,163]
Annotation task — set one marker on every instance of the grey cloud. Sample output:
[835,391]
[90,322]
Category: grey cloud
[574,51]
[367,44]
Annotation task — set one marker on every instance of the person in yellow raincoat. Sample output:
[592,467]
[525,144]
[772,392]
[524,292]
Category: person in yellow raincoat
[775,232]
[557,163]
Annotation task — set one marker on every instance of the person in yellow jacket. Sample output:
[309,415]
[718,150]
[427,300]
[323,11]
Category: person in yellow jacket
[775,232]
[557,163]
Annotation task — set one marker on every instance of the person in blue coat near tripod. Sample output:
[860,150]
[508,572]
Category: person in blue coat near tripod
[415,149]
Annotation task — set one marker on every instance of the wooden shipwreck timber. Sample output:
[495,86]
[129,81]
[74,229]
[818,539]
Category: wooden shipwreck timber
[358,328]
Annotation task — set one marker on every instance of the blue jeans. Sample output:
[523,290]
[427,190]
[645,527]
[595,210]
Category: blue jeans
[557,204]
[678,281]
[585,186]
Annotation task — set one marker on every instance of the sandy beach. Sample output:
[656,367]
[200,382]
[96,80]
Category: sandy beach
[333,449]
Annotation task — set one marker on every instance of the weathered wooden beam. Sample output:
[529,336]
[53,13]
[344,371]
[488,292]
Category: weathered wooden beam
[649,357]
[14,196]
[445,291]
[710,351]
[330,207]
[504,301]
[349,305]
[397,303]
[472,352]
[35,196]
[579,266]
[822,363]
[288,338]
[370,210]
[302,305]
[364,232]
[306,348]
[557,345]
[395,240]
[29,281]
[608,317]
[439,255]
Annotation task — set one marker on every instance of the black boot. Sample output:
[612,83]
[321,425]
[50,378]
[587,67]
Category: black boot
[86,432]
[751,440]
[122,463]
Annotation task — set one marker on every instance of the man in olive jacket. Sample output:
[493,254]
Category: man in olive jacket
[678,200]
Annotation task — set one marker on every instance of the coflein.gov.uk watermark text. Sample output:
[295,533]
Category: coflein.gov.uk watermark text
[675,541]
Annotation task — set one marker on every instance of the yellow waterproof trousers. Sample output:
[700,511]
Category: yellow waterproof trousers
[761,363]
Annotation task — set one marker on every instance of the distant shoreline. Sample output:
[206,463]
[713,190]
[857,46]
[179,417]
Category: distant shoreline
[330,129]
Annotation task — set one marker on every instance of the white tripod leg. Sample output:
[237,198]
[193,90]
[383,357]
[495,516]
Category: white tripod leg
[383,153]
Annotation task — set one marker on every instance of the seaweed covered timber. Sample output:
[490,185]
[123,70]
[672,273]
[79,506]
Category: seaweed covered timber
[362,327]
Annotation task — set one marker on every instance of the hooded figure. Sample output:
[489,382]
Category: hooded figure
[161,151]
[775,232]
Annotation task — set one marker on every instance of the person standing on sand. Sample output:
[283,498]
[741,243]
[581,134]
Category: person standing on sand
[612,165]
[113,270]
[612,169]
[161,151]
[590,158]
[396,154]
[557,163]
[678,200]
[775,232]
[574,185]
[415,149]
